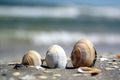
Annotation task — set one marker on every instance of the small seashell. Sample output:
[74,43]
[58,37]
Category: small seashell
[83,54]
[56,75]
[88,70]
[16,73]
[31,58]
[39,67]
[43,77]
[80,70]
[118,56]
[110,63]
[114,63]
[76,75]
[103,59]
[56,57]
[108,68]
[47,71]
[115,66]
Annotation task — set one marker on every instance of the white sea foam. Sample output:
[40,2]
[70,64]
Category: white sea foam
[67,37]
[60,11]
[44,12]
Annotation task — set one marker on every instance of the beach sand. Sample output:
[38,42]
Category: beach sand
[108,64]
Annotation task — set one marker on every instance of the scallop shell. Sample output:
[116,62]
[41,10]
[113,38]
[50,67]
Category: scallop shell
[31,58]
[83,54]
[56,57]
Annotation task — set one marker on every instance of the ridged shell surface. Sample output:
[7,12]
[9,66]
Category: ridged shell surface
[31,58]
[56,57]
[83,54]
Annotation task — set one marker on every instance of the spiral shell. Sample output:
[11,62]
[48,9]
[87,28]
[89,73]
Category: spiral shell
[31,58]
[56,57]
[83,54]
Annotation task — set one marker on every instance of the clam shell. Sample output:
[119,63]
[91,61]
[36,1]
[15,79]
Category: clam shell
[88,70]
[31,58]
[83,54]
[56,57]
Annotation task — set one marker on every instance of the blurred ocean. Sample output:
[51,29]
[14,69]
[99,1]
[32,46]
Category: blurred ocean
[38,27]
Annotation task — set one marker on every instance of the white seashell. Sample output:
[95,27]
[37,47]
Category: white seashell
[115,66]
[80,70]
[31,58]
[56,57]
[83,54]
[103,59]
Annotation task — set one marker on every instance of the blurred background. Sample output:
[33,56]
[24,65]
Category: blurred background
[38,24]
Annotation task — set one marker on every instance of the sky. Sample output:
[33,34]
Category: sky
[65,2]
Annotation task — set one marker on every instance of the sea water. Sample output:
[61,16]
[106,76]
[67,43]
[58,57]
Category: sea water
[37,27]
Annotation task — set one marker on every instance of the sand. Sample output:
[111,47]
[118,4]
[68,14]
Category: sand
[109,66]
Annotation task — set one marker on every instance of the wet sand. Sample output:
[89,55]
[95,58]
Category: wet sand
[108,64]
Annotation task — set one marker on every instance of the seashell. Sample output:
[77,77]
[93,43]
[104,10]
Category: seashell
[88,70]
[43,77]
[57,75]
[31,58]
[103,59]
[16,73]
[109,68]
[83,54]
[118,56]
[56,57]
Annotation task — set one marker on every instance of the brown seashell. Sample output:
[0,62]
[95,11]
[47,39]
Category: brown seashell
[31,58]
[83,54]
[118,56]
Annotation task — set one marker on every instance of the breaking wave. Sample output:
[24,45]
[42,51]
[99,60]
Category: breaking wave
[60,11]
[64,37]
[71,37]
